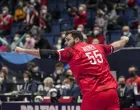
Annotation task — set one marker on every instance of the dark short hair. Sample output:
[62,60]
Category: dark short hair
[70,78]
[59,64]
[28,73]
[75,34]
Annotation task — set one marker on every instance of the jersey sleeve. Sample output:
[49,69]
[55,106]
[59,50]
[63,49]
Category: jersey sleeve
[108,49]
[65,54]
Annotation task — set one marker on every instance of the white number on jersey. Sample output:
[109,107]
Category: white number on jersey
[95,57]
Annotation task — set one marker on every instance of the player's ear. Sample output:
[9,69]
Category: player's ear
[77,40]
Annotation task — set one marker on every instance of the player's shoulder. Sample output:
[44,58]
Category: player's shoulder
[67,49]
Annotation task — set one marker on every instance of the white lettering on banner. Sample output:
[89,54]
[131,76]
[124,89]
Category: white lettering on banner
[29,107]
[77,107]
[63,107]
[23,107]
[37,107]
[43,107]
[70,107]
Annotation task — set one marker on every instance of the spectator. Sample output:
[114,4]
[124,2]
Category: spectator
[45,20]
[91,4]
[59,73]
[29,42]
[41,43]
[96,34]
[3,83]
[48,84]
[80,17]
[30,86]
[137,37]
[3,47]
[14,43]
[126,32]
[32,17]
[82,29]
[5,21]
[49,90]
[71,89]
[131,3]
[112,18]
[95,41]
[125,92]
[44,2]
[69,72]
[134,78]
[9,75]
[101,21]
[37,74]
[59,43]
[19,13]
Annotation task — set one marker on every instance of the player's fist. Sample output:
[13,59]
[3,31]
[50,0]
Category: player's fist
[19,50]
[125,38]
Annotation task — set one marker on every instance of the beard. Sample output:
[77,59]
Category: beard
[72,44]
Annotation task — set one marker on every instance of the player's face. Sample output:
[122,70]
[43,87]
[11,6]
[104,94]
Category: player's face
[70,42]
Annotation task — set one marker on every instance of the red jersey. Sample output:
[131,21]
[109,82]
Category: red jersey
[80,19]
[131,82]
[8,18]
[101,38]
[90,67]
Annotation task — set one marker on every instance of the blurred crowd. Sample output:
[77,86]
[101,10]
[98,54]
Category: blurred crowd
[61,83]
[33,20]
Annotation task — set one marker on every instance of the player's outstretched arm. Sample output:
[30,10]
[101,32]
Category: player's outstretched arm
[38,53]
[118,45]
[34,52]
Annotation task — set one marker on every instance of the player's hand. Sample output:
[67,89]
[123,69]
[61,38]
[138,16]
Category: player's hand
[19,50]
[125,38]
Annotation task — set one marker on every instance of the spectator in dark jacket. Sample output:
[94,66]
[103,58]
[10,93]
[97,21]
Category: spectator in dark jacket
[3,82]
[58,75]
[137,37]
[126,32]
[125,93]
[41,43]
[37,74]
[30,86]
[71,89]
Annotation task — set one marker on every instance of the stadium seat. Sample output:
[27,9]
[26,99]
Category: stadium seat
[55,28]
[129,12]
[113,36]
[50,39]
[64,15]
[89,14]
[66,25]
[62,6]
[73,2]
[14,29]
[51,6]
[134,32]
[122,1]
